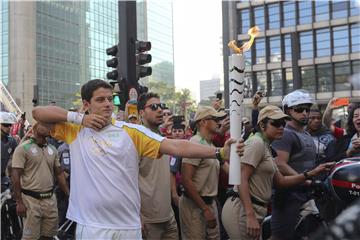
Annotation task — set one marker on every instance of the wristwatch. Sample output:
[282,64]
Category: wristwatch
[306,175]
[218,156]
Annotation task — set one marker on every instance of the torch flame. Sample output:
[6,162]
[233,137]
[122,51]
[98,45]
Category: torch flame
[253,32]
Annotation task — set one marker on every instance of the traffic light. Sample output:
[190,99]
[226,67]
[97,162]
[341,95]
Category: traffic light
[113,63]
[143,58]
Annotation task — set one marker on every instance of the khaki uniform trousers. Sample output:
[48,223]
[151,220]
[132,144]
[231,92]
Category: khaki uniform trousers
[162,230]
[233,217]
[192,221]
[41,217]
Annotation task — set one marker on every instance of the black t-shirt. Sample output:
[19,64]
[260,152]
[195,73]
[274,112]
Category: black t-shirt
[7,149]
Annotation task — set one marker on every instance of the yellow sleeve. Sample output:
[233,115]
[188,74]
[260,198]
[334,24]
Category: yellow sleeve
[66,132]
[147,143]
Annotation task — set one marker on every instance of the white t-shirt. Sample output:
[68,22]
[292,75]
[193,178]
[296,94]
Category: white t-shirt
[104,189]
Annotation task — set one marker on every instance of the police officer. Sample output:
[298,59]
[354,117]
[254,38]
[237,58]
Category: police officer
[34,167]
[8,143]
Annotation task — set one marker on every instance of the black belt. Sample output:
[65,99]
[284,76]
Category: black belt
[233,194]
[207,200]
[38,195]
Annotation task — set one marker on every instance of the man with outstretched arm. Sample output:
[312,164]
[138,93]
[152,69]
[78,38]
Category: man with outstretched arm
[105,153]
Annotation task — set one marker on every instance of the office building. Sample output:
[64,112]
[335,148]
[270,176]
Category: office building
[209,88]
[50,48]
[314,45]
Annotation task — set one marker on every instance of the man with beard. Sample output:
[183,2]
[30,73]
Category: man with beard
[296,153]
[154,178]
[8,143]
[35,166]
[200,177]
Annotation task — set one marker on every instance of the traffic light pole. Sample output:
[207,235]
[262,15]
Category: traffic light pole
[127,44]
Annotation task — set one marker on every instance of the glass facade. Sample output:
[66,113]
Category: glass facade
[4,42]
[287,47]
[289,80]
[275,49]
[308,78]
[71,38]
[260,51]
[276,83]
[339,9]
[259,17]
[160,34]
[355,38]
[244,21]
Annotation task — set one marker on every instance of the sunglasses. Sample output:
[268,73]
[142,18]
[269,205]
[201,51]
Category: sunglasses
[302,109]
[278,123]
[155,106]
[213,118]
[6,125]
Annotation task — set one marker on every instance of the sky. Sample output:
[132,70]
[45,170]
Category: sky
[197,43]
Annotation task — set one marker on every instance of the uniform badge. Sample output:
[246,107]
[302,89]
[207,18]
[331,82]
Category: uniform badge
[9,150]
[50,151]
[34,150]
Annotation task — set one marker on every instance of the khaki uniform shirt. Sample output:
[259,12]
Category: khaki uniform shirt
[206,175]
[155,190]
[257,154]
[38,164]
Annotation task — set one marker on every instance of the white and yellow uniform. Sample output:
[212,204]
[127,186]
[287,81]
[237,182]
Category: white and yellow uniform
[104,172]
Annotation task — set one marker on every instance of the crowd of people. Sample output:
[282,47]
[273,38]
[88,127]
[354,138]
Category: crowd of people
[151,175]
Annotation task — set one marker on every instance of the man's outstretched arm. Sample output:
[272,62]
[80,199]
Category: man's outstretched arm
[49,114]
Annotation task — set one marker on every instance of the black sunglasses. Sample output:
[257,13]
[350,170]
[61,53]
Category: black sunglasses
[155,106]
[278,123]
[301,109]
[6,125]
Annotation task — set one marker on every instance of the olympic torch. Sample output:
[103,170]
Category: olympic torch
[236,89]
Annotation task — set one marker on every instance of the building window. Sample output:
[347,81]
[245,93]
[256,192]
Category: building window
[287,47]
[339,9]
[289,80]
[248,85]
[355,38]
[324,76]
[354,8]
[247,54]
[260,51]
[306,45]
[321,10]
[289,14]
[274,16]
[245,20]
[308,78]
[341,40]
[323,42]
[341,74]
[355,65]
[275,49]
[261,81]
[259,17]
[305,12]
[276,83]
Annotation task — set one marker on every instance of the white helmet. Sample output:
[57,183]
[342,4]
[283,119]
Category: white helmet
[297,97]
[7,118]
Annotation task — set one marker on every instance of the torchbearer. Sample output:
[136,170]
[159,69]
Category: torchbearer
[236,89]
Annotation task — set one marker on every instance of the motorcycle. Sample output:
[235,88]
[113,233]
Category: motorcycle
[339,189]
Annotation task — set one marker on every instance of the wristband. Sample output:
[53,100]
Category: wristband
[75,117]
[222,153]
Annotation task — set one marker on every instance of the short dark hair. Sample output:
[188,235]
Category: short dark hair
[88,88]
[144,98]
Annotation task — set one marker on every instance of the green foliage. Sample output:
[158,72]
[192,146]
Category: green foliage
[179,102]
